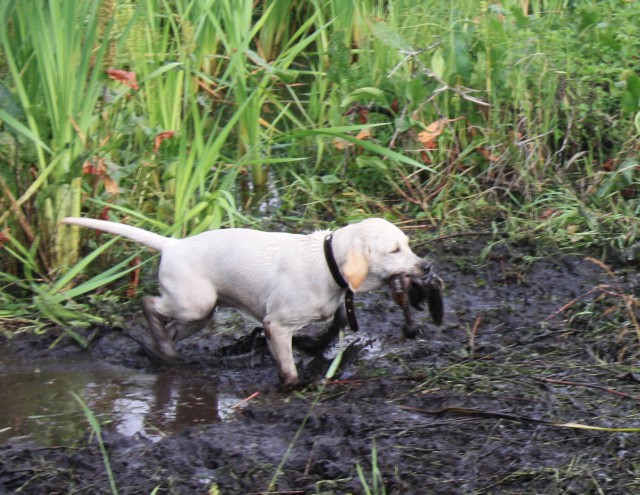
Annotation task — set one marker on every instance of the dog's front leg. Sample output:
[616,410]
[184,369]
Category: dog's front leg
[279,340]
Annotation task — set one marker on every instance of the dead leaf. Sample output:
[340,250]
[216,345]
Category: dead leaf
[134,277]
[97,168]
[110,185]
[428,137]
[364,134]
[548,213]
[160,137]
[104,213]
[341,144]
[363,116]
[487,154]
[4,236]
[125,77]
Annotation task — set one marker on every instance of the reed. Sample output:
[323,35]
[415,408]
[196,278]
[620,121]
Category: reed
[451,113]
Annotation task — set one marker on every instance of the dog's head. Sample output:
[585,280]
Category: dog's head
[376,251]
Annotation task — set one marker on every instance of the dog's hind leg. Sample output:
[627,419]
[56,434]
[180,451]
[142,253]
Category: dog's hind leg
[162,345]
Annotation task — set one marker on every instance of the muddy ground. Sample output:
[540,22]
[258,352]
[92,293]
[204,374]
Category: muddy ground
[532,339]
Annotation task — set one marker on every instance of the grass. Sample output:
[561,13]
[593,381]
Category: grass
[97,430]
[442,115]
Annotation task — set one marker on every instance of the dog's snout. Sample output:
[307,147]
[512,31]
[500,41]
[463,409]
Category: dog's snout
[425,267]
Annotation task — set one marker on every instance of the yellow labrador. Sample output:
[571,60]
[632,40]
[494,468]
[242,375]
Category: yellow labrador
[283,280]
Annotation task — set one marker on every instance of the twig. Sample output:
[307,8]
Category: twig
[474,332]
[572,302]
[245,400]
[589,385]
[477,412]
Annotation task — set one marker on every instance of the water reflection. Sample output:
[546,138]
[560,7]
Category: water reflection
[178,400]
[35,400]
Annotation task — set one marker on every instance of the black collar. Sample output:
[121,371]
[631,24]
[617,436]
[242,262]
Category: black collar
[339,279]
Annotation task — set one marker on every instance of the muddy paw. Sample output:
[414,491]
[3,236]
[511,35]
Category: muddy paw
[413,331]
[149,347]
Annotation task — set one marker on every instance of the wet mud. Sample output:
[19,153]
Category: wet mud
[536,348]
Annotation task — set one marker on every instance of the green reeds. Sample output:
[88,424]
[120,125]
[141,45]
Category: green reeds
[53,58]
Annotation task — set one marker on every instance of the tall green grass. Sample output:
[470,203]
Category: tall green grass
[448,113]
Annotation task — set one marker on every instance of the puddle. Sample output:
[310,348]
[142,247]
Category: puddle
[35,402]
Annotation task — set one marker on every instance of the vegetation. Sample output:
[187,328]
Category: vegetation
[187,115]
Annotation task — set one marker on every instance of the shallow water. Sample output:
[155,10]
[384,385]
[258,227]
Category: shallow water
[35,400]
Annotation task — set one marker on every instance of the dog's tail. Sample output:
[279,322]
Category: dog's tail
[154,241]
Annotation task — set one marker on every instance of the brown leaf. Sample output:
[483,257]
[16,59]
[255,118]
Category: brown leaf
[487,154]
[110,185]
[364,134]
[97,168]
[161,136]
[4,236]
[125,77]
[134,277]
[548,213]
[428,137]
[341,144]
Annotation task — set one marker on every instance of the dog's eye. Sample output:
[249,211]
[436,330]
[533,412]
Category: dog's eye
[396,249]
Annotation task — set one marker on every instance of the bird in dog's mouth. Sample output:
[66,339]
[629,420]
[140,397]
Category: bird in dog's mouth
[410,290]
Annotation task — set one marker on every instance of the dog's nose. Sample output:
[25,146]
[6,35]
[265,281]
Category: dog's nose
[425,266]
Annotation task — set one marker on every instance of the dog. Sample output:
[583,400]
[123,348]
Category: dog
[284,280]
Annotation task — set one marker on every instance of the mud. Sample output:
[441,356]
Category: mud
[531,341]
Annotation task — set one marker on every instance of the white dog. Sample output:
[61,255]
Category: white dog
[283,280]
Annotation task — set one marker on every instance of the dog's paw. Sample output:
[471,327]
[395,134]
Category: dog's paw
[149,347]
[413,331]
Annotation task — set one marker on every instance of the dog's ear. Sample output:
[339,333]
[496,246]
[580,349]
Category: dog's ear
[356,268]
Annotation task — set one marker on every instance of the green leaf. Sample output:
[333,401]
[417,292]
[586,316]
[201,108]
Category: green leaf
[368,93]
[390,37]
[416,90]
[437,63]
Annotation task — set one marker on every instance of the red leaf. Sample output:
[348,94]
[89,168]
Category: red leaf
[125,77]
[104,213]
[94,168]
[161,136]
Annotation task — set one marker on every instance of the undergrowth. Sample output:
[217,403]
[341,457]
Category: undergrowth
[191,115]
